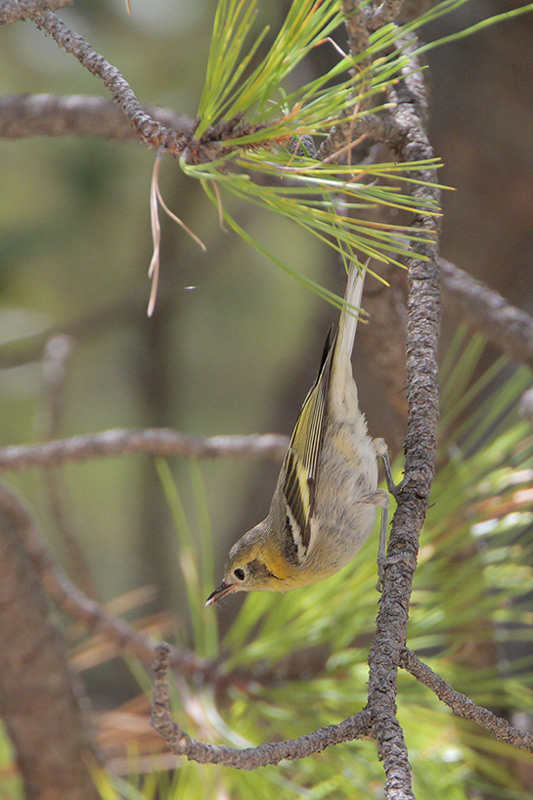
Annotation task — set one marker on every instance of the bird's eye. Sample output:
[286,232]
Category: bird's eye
[239,574]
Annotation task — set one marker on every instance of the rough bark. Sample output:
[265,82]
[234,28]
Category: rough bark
[41,701]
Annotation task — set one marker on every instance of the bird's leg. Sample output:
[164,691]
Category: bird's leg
[380,499]
[382,451]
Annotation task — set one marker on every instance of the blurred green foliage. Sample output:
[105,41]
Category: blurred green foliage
[306,652]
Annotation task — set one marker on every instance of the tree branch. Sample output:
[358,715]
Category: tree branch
[88,612]
[506,326]
[96,619]
[55,360]
[406,134]
[462,705]
[151,441]
[180,743]
[51,115]
[16,10]
[150,131]
[40,697]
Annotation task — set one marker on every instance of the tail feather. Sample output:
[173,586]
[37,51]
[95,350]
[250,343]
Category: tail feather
[349,317]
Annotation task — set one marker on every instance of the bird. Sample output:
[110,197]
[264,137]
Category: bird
[325,501]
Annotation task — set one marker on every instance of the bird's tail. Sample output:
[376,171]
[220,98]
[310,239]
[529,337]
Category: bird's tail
[343,391]
[349,317]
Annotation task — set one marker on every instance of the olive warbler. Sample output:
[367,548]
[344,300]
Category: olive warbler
[324,504]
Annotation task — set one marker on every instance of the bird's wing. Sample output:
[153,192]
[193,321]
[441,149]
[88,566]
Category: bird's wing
[301,465]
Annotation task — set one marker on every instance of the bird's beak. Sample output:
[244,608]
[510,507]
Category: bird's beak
[222,591]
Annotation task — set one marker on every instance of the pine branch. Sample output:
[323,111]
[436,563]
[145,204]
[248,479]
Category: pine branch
[17,10]
[151,441]
[508,327]
[41,701]
[23,115]
[87,612]
[147,128]
[462,705]
[180,743]
[406,134]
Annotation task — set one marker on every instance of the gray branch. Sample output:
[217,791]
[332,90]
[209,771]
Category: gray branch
[16,10]
[506,326]
[462,705]
[152,441]
[406,134]
[89,613]
[41,700]
[150,131]
[180,743]
[56,357]
[22,116]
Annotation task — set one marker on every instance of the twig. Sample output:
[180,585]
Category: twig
[151,441]
[180,743]
[55,359]
[84,115]
[405,133]
[462,705]
[56,355]
[89,613]
[151,131]
[96,619]
[16,10]
[488,312]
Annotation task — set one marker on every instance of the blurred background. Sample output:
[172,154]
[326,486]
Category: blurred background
[234,344]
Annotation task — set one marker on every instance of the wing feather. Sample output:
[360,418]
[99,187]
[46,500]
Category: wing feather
[303,457]
[302,462]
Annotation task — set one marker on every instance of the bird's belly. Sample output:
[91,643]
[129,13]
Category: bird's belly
[348,473]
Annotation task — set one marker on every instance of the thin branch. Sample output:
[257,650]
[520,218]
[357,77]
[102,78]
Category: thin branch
[55,360]
[462,705]
[180,743]
[16,10]
[151,131]
[83,115]
[89,613]
[506,326]
[406,134]
[96,619]
[150,441]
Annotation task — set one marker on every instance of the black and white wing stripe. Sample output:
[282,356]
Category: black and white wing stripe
[303,457]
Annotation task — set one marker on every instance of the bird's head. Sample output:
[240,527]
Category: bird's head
[254,565]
